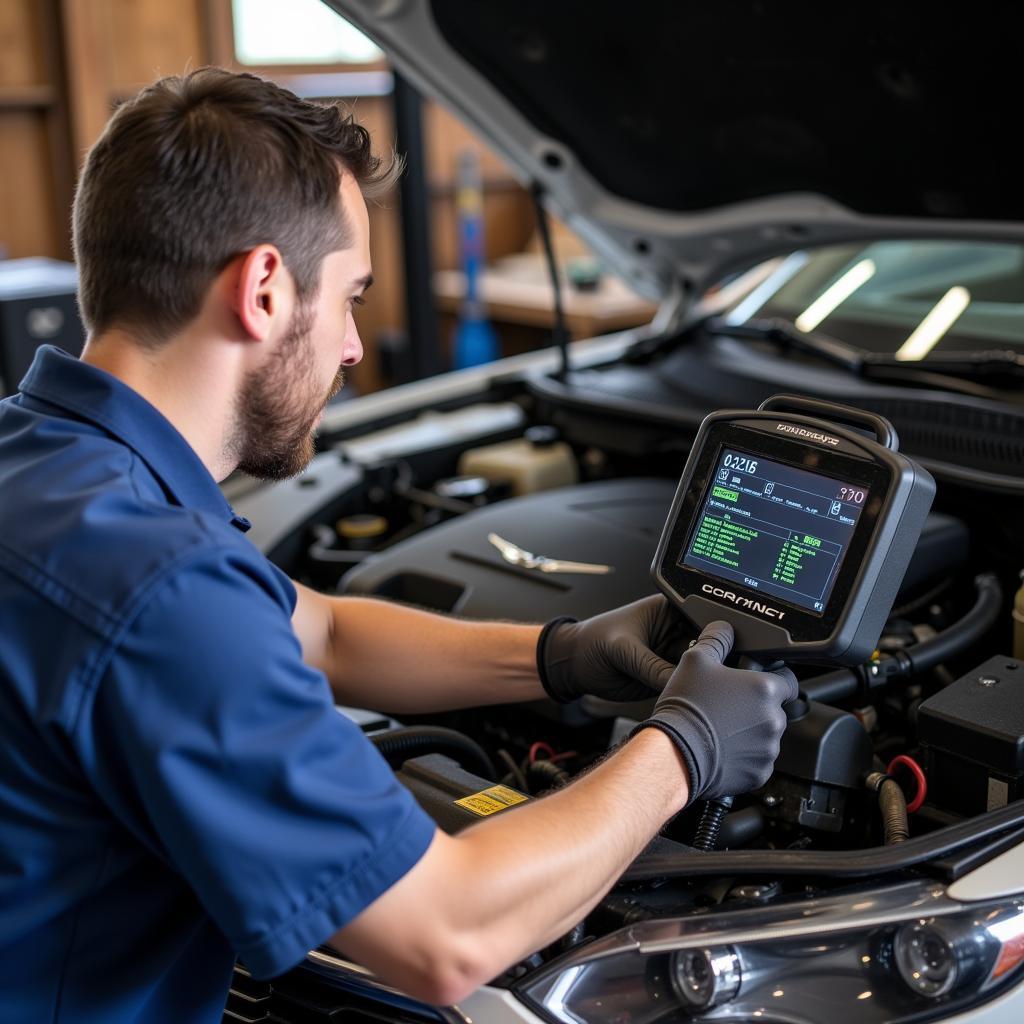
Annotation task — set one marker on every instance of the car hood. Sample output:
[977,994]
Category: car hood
[685,140]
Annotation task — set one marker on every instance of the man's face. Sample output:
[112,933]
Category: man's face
[280,403]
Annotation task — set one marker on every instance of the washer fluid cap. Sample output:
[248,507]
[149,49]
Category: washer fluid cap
[542,437]
[465,488]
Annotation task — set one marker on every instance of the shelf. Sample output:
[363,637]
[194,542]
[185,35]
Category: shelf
[27,97]
[527,298]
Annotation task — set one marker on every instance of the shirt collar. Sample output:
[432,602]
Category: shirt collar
[100,398]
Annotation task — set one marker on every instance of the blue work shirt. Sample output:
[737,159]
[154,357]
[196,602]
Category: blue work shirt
[176,787]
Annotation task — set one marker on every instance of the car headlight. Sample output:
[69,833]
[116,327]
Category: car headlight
[891,954]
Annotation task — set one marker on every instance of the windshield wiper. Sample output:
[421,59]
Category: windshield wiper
[982,365]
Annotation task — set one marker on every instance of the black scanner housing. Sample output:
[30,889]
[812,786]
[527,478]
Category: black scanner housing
[873,567]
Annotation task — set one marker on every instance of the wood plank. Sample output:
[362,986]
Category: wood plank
[384,312]
[58,124]
[149,39]
[27,97]
[85,60]
[21,44]
[29,225]
[219,30]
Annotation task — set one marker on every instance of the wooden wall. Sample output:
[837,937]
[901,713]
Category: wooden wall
[35,172]
[66,64]
[114,47]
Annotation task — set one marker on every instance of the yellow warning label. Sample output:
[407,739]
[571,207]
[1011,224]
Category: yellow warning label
[488,801]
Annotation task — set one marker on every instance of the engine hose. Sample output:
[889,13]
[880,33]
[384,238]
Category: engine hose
[842,684]
[711,823]
[546,775]
[398,745]
[833,687]
[893,807]
[741,827]
[975,624]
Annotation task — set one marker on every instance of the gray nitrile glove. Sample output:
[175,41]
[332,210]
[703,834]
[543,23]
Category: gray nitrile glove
[625,654]
[725,722]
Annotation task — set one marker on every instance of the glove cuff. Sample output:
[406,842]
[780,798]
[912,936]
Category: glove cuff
[682,744]
[551,688]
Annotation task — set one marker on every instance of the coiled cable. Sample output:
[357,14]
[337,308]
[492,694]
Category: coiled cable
[893,807]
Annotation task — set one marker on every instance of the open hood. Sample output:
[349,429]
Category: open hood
[684,140]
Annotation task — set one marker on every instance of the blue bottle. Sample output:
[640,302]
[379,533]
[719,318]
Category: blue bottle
[475,339]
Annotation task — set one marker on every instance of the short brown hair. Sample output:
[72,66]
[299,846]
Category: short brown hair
[196,170]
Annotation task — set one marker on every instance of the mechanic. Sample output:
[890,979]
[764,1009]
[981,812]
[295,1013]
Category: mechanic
[176,786]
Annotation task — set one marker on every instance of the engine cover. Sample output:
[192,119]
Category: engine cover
[453,567]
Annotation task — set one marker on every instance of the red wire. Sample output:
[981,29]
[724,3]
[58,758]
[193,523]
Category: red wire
[540,744]
[564,756]
[915,770]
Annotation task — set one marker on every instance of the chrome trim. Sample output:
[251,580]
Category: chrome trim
[478,1004]
[779,921]
[332,965]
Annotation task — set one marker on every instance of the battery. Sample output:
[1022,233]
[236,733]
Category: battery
[453,797]
[972,739]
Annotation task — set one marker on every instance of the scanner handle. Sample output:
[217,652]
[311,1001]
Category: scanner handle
[795,708]
[883,430]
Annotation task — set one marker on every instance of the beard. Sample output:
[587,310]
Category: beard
[278,407]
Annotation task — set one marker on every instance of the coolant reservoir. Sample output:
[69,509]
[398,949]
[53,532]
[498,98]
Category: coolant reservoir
[538,461]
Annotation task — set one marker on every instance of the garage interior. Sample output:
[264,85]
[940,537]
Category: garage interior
[795,408]
[65,66]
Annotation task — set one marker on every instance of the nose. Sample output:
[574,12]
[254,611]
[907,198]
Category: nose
[352,347]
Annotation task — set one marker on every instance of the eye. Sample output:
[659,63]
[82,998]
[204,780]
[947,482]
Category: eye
[358,300]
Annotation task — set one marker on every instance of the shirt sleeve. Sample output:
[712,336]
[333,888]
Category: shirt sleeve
[222,751]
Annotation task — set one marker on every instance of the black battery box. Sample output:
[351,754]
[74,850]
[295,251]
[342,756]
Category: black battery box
[453,797]
[972,739]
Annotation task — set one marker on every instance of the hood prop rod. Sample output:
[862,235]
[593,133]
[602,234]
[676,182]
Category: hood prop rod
[559,332]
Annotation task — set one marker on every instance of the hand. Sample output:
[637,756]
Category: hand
[625,654]
[725,722]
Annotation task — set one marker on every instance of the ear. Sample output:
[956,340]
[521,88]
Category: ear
[262,291]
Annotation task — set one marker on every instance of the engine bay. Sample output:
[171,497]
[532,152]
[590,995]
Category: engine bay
[907,763]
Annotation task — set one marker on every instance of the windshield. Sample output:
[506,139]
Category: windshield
[907,298]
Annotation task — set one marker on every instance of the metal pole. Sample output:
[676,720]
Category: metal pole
[420,314]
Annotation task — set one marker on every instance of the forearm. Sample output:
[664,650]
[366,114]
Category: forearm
[568,848]
[512,884]
[398,659]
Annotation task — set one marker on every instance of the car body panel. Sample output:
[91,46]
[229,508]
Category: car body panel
[1001,876]
[658,249]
